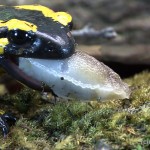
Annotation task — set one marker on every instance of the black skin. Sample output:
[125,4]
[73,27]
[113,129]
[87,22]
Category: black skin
[37,44]
[57,44]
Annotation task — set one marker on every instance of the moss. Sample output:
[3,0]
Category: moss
[122,124]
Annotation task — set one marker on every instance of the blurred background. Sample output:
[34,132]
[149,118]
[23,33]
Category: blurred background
[129,52]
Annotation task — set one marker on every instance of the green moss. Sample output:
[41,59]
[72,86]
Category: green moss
[122,124]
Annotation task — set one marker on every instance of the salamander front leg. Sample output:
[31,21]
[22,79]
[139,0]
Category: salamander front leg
[4,119]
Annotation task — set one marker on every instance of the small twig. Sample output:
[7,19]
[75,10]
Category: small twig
[88,31]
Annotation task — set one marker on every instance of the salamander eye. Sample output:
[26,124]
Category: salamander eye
[20,37]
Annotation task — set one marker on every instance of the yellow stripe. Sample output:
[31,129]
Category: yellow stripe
[3,42]
[46,11]
[18,24]
[62,17]
[1,112]
[1,50]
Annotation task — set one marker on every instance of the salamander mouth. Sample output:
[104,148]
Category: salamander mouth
[10,64]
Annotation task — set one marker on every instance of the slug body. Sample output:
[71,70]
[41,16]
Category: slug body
[80,77]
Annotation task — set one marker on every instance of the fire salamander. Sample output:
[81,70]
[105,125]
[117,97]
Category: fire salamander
[32,31]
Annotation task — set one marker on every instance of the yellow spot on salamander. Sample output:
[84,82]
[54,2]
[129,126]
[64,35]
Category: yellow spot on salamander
[18,24]
[3,42]
[1,112]
[62,17]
